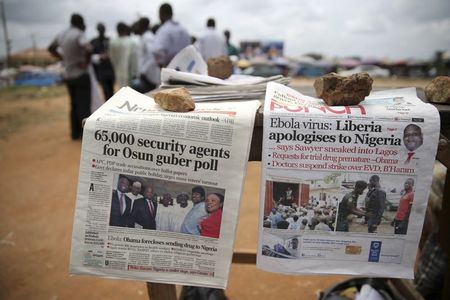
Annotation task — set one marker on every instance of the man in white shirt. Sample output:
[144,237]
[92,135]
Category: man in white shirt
[182,207]
[123,55]
[166,216]
[212,43]
[135,192]
[72,47]
[170,38]
[322,226]
[295,224]
[149,70]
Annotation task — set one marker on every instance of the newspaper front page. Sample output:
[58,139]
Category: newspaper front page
[158,192]
[344,189]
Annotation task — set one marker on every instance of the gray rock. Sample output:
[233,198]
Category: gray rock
[339,90]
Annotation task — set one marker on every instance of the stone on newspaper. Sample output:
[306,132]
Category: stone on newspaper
[177,99]
[220,67]
[438,90]
[340,90]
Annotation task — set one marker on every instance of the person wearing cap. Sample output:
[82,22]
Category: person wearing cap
[182,207]
[198,211]
[135,192]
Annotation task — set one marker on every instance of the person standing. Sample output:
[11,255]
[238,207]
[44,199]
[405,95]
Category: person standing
[275,217]
[348,206]
[72,47]
[135,192]
[121,205]
[198,211]
[170,38]
[123,55]
[232,50]
[404,208]
[295,224]
[375,204]
[149,70]
[181,209]
[102,64]
[145,209]
[212,42]
[287,199]
[166,216]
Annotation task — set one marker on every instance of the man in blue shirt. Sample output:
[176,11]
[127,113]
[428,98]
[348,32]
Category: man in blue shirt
[190,223]
[170,38]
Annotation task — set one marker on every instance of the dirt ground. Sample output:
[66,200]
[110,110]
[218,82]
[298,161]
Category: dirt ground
[38,182]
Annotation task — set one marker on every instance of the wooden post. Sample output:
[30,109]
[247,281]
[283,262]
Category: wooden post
[161,291]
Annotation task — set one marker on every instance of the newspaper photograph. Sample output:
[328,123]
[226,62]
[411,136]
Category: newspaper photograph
[159,192]
[344,189]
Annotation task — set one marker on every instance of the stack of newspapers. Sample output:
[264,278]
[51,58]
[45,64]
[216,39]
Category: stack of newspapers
[207,88]
[189,70]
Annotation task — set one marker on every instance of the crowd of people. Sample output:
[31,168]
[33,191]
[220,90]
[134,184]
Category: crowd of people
[313,216]
[309,216]
[134,58]
[197,214]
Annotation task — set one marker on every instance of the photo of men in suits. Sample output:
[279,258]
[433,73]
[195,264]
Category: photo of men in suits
[121,205]
[144,210]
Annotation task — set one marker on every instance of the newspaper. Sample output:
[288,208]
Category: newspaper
[188,69]
[158,192]
[189,60]
[344,189]
[169,75]
[229,92]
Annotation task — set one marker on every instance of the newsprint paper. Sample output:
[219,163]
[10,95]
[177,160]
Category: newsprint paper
[344,189]
[158,192]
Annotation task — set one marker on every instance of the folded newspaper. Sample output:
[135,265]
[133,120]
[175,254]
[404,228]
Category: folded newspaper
[344,189]
[158,192]
[188,69]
